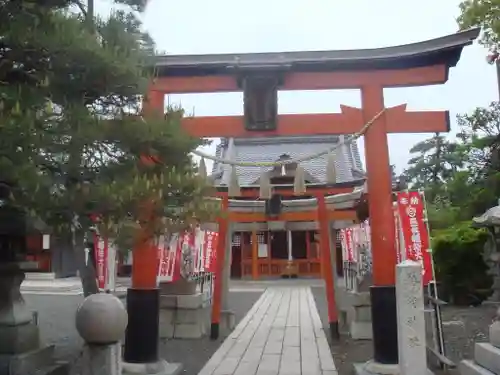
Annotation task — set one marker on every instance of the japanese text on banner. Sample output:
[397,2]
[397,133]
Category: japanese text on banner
[414,231]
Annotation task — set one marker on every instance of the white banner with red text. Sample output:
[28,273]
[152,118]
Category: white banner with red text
[186,255]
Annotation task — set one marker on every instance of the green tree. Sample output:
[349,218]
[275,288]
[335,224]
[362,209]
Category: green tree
[483,13]
[71,133]
[434,161]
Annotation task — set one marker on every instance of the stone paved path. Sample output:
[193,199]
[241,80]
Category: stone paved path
[281,335]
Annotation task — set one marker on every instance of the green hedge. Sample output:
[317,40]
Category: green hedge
[460,268]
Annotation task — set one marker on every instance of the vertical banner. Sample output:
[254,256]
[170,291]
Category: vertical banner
[111,267]
[414,231]
[168,270]
[210,250]
[347,240]
[101,257]
[397,240]
[199,239]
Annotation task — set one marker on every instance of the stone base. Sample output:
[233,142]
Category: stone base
[180,287]
[374,368]
[38,361]
[19,338]
[468,367]
[184,316]
[361,330]
[159,368]
[355,315]
[227,321]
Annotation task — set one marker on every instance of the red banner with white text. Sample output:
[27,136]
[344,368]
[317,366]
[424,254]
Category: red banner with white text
[210,251]
[101,258]
[347,238]
[414,233]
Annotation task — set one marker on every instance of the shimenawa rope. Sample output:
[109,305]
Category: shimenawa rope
[279,163]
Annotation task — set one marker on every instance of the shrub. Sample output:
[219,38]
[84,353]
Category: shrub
[459,263]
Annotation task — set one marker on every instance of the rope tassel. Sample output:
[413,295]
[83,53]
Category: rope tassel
[233,189]
[299,183]
[202,169]
[265,186]
[331,173]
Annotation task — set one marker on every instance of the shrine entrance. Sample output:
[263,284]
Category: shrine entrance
[260,76]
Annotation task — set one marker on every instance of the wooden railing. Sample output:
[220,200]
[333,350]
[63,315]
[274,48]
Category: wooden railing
[276,267]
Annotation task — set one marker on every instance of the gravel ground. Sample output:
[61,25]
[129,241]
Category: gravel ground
[463,326]
[56,320]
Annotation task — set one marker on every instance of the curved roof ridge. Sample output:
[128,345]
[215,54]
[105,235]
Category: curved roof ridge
[445,49]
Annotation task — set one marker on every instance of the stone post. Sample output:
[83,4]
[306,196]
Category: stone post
[411,319]
[101,321]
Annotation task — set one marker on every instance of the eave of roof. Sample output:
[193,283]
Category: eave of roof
[444,50]
[277,188]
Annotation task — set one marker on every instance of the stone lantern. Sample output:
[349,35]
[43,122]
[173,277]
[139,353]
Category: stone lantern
[491,221]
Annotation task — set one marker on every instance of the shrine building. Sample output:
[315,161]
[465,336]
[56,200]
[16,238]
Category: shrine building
[286,248]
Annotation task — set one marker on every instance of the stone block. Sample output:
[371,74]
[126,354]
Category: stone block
[227,321]
[167,316]
[468,367]
[487,356]
[167,331]
[193,301]
[357,299]
[180,287]
[495,334]
[38,361]
[189,316]
[361,330]
[19,339]
[189,331]
[168,301]
[362,313]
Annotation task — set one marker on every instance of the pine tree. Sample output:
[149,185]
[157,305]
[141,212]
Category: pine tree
[71,133]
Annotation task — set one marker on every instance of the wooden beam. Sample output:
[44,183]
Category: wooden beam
[349,121]
[193,85]
[290,125]
[429,75]
[398,120]
[251,217]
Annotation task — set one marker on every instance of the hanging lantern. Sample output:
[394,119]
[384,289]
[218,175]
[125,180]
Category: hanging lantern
[331,174]
[202,169]
[233,189]
[265,186]
[299,183]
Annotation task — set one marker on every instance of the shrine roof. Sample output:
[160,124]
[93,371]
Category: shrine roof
[347,158]
[444,50]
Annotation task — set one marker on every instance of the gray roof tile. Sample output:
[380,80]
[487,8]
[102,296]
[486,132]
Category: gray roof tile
[347,157]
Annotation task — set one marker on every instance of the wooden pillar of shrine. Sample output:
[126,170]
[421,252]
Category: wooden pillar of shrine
[143,298]
[327,269]
[255,255]
[219,272]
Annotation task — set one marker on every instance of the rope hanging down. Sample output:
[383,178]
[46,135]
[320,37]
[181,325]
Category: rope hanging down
[279,163]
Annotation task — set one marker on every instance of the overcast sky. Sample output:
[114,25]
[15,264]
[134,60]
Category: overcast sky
[225,26]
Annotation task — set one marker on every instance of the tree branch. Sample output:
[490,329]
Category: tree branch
[82,8]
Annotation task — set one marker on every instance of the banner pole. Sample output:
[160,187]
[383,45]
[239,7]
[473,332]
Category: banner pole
[435,290]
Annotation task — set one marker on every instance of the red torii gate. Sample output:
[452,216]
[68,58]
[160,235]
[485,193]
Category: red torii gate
[261,75]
